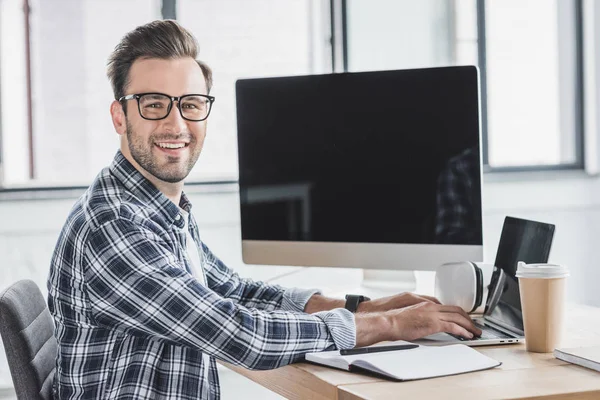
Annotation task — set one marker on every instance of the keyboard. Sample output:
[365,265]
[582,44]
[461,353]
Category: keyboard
[487,332]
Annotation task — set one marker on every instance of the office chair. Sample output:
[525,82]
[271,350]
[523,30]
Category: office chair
[27,331]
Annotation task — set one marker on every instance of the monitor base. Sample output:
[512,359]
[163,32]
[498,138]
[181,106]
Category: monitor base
[380,283]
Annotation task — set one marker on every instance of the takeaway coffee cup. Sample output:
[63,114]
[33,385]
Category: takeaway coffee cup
[542,288]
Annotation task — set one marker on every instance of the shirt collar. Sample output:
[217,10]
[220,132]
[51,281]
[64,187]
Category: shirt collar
[144,190]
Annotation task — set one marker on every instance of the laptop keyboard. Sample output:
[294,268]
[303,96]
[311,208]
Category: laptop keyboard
[487,333]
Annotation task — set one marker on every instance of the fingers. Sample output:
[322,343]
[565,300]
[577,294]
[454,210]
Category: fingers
[427,318]
[416,299]
[456,315]
[419,298]
[460,320]
[455,329]
[430,298]
[405,299]
[455,309]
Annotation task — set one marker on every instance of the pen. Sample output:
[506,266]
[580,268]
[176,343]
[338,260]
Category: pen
[376,349]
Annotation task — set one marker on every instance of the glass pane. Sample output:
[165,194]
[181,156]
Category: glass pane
[531,64]
[243,39]
[15,149]
[70,43]
[396,34]
[531,78]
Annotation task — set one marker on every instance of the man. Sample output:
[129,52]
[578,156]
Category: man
[142,307]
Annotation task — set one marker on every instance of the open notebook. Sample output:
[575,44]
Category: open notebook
[405,365]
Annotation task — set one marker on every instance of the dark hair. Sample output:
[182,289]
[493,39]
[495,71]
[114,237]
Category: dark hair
[163,39]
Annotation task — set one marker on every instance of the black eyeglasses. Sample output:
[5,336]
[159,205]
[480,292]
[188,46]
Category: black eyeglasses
[155,106]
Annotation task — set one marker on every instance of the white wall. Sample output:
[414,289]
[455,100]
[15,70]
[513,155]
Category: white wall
[29,229]
[571,200]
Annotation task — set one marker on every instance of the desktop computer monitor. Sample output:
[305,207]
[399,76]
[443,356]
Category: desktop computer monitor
[374,170]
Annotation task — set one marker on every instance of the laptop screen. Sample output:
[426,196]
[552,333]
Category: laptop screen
[521,240]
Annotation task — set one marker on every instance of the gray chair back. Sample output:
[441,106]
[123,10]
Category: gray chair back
[27,332]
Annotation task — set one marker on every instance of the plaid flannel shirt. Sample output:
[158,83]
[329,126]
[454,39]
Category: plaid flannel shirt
[131,320]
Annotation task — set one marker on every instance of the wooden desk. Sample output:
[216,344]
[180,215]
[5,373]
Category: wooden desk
[522,375]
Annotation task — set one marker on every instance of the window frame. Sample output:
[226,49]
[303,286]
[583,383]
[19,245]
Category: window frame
[339,63]
[339,27]
[579,146]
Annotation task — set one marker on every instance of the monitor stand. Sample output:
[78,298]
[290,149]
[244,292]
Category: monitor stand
[381,283]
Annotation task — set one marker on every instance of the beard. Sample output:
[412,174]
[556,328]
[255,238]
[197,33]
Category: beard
[174,169]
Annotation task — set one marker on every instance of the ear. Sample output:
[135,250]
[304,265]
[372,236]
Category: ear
[118,117]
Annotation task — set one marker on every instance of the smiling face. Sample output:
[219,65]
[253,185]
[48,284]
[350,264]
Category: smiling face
[165,150]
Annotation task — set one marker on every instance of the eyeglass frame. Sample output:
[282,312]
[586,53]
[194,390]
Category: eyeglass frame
[137,96]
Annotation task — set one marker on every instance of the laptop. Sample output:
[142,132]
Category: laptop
[502,320]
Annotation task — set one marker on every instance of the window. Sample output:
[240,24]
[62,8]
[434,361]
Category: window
[70,40]
[532,83]
[250,39]
[397,34]
[529,69]
[56,129]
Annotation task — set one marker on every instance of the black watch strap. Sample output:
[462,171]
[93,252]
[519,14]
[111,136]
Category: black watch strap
[353,300]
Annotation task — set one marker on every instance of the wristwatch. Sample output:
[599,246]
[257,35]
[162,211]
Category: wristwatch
[353,300]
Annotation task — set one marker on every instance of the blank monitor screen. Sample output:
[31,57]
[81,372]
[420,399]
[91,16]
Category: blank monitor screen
[388,157]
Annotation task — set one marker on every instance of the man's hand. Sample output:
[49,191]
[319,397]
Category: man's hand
[413,322]
[395,302]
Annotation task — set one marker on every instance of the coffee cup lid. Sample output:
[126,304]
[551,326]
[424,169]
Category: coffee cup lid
[543,271]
